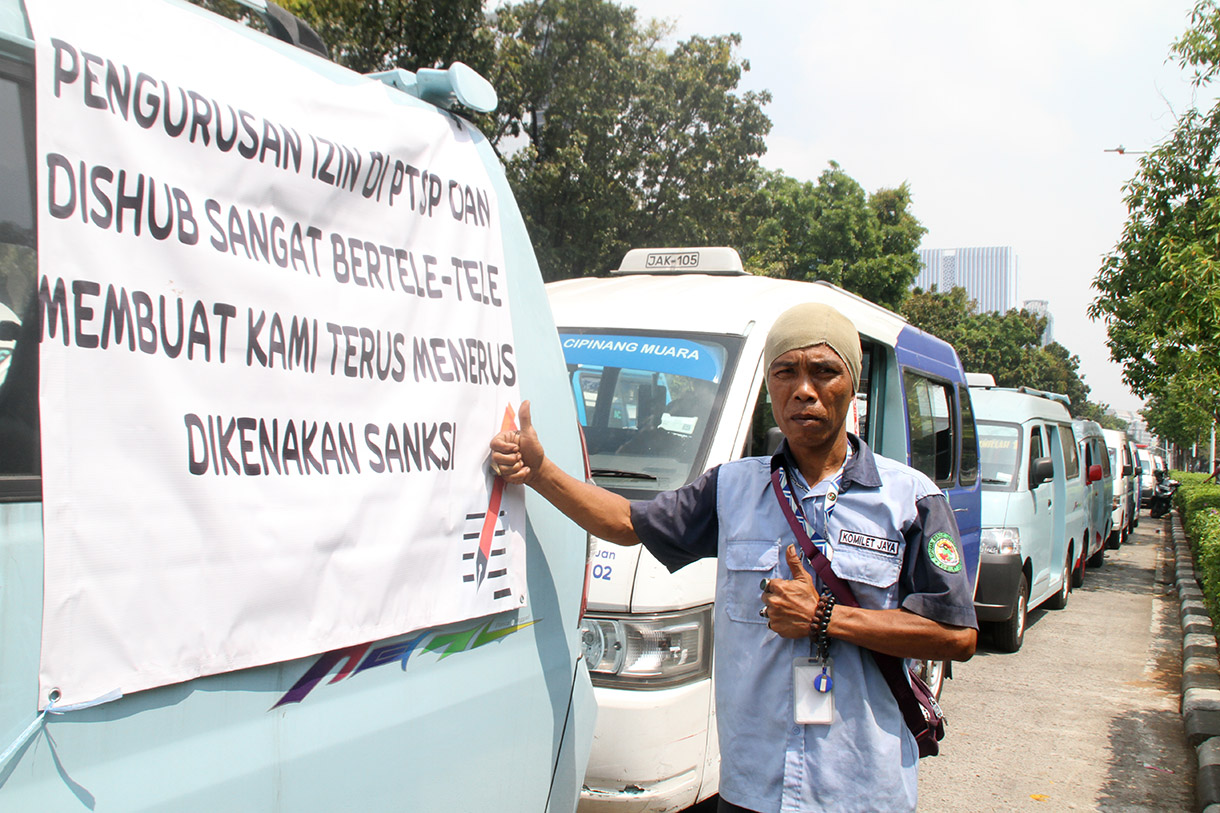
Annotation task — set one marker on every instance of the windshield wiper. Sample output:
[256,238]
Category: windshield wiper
[996,482]
[626,475]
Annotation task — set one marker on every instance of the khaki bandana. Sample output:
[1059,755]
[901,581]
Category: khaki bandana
[813,323]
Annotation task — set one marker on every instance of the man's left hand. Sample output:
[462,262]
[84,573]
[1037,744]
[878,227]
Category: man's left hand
[790,603]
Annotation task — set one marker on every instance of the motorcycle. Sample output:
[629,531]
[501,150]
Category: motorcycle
[1162,496]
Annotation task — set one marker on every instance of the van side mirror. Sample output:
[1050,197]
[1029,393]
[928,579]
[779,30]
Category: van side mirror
[775,436]
[1041,470]
[1127,470]
[1093,474]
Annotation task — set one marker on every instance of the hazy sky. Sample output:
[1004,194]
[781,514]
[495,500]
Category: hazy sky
[997,115]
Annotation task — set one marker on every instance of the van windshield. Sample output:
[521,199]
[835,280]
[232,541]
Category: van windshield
[648,402]
[999,455]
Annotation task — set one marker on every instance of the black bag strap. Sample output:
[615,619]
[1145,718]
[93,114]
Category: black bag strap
[893,669]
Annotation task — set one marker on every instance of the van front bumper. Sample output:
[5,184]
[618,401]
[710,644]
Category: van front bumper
[995,599]
[651,750]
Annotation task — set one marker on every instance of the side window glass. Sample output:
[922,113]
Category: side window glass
[970,446]
[1106,471]
[19,444]
[1071,462]
[761,440]
[1035,445]
[931,423]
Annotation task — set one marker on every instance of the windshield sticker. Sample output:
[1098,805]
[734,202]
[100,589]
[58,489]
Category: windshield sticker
[655,353]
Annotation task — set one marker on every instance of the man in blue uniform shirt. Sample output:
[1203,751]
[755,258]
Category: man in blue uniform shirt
[887,531]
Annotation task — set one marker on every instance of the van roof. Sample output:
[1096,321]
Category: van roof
[1016,405]
[971,378]
[704,303]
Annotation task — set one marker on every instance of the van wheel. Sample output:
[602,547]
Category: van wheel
[1098,559]
[1115,539]
[1078,571]
[1010,634]
[1060,599]
[932,673]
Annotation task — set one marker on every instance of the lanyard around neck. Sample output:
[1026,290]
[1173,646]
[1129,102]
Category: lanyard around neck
[814,537]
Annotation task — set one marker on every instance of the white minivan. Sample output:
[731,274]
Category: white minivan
[1034,517]
[1123,464]
[665,364]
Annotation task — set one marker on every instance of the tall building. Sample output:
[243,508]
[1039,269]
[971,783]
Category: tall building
[1042,307]
[989,275]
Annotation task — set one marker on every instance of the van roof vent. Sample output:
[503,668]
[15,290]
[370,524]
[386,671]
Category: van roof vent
[693,260]
[980,380]
[459,84]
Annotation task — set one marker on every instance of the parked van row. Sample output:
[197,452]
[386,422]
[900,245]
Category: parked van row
[1048,498]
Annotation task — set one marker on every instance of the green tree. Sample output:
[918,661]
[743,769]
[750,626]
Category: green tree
[411,34]
[1007,346]
[832,230]
[1159,289]
[611,141]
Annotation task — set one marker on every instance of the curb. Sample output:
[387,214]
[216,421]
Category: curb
[1200,674]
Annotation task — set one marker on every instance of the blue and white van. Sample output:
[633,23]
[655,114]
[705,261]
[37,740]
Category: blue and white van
[492,713]
[1099,495]
[1034,514]
[664,358]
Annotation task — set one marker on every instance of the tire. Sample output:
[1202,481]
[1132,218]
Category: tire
[1060,600]
[1114,539]
[932,673]
[1078,571]
[1010,634]
[1098,559]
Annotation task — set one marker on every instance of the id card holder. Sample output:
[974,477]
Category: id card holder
[813,700]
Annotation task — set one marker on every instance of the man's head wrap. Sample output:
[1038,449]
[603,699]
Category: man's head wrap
[813,323]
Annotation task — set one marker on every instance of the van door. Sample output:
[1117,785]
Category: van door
[1037,550]
[1051,524]
[939,443]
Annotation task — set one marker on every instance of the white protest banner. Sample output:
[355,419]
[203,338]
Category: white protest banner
[276,341]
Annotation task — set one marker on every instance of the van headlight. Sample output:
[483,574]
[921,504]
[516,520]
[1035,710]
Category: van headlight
[648,651]
[1000,540]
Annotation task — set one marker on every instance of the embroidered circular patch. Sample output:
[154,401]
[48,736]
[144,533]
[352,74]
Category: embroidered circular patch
[943,552]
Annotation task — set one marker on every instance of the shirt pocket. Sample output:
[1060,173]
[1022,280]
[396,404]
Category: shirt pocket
[746,563]
[876,572]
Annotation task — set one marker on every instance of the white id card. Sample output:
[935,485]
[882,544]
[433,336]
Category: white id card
[813,700]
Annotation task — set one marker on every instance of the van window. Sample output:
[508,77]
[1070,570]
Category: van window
[1035,447]
[1071,460]
[970,450]
[648,402]
[929,411]
[999,455]
[1106,471]
[19,445]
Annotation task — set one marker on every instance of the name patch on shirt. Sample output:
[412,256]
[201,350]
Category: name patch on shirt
[878,544]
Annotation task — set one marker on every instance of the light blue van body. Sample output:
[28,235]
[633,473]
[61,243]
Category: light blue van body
[492,714]
[1099,490]
[1033,532]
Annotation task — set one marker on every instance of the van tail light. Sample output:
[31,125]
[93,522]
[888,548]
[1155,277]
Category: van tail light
[584,593]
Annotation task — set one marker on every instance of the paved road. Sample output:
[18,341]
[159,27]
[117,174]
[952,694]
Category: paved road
[1085,716]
